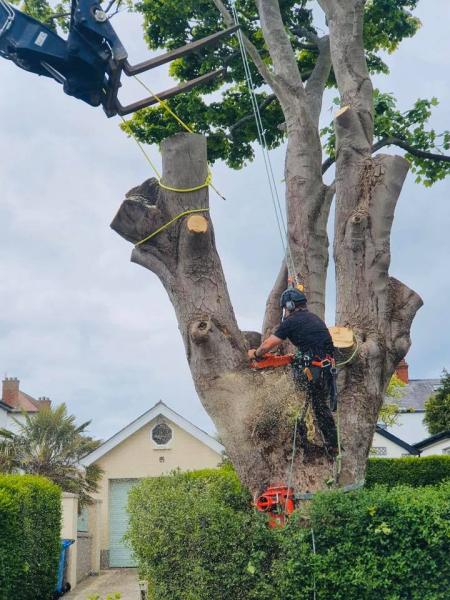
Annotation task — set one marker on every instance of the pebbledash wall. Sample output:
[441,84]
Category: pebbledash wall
[133,454]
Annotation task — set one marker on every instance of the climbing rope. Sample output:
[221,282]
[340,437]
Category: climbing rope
[345,362]
[166,225]
[279,216]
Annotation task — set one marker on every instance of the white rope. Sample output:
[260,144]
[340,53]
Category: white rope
[279,216]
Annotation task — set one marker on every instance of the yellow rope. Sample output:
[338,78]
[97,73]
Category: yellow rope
[166,225]
[166,107]
[164,104]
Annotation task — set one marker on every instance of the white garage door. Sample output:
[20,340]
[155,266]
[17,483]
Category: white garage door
[120,555]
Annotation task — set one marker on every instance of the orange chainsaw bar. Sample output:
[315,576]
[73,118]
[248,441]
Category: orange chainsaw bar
[272,360]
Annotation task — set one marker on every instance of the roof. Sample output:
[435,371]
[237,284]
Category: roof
[26,403]
[429,441]
[415,393]
[396,440]
[160,409]
[409,426]
[6,407]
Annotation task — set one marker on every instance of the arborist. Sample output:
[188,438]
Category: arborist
[313,365]
[304,329]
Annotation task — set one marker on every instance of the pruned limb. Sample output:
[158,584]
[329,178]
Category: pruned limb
[316,82]
[280,49]
[345,21]
[272,315]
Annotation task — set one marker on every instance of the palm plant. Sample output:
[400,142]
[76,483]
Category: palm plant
[51,444]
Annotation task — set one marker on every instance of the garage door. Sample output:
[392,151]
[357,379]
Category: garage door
[120,554]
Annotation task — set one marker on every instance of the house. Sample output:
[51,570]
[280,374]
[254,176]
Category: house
[435,444]
[388,445]
[393,441]
[156,443]
[14,403]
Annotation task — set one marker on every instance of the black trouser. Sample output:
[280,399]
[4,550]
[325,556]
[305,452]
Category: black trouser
[320,392]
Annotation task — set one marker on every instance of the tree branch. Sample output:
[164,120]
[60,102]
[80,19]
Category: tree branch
[319,77]
[394,141]
[280,48]
[251,49]
[264,104]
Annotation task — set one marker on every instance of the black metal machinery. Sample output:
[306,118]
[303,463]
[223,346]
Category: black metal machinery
[90,63]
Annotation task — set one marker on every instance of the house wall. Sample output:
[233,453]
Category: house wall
[3,418]
[437,448]
[392,450]
[138,456]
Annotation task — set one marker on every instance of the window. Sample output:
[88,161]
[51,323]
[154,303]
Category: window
[161,434]
[446,450]
[379,450]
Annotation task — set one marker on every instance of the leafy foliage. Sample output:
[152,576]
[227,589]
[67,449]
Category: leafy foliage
[412,471]
[437,408]
[49,443]
[228,122]
[389,411]
[30,515]
[196,537]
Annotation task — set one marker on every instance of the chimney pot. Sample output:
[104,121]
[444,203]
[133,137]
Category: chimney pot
[10,391]
[402,371]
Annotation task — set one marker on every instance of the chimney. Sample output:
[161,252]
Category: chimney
[44,401]
[402,371]
[10,393]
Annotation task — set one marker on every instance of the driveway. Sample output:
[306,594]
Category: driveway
[124,581]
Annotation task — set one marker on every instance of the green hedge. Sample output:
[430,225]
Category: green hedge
[196,537]
[413,471]
[30,522]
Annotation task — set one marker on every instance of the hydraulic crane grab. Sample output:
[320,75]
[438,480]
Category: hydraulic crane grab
[90,63]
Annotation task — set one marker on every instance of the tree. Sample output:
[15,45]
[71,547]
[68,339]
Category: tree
[49,443]
[258,415]
[437,407]
[389,410]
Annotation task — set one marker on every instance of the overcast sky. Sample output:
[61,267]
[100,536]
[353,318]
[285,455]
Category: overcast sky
[81,324]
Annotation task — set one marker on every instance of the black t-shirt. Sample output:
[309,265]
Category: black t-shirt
[306,331]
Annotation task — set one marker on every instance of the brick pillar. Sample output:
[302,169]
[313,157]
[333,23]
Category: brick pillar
[10,392]
[402,371]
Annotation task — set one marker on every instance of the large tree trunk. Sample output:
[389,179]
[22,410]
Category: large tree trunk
[378,308]
[255,413]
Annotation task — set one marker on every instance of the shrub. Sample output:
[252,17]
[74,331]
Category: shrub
[193,534]
[429,470]
[196,537]
[378,543]
[30,522]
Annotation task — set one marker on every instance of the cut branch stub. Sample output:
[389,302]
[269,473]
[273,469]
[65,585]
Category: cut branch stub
[197,224]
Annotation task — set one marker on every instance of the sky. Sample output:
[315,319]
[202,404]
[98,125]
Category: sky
[82,325]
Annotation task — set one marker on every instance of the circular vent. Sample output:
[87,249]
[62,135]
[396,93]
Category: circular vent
[161,434]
